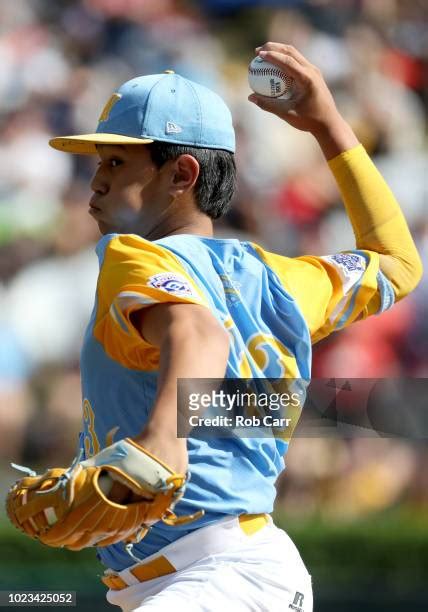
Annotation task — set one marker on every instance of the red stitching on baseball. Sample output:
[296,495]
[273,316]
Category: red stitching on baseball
[271,72]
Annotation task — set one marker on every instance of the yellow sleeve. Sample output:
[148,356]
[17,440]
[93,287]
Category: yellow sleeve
[334,290]
[134,274]
[377,220]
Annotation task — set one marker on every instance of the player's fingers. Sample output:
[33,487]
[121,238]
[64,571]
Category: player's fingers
[288,64]
[271,105]
[286,50]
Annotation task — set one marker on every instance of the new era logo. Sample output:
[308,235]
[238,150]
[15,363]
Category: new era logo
[172,128]
[297,602]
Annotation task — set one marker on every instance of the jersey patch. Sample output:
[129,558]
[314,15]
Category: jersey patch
[351,268]
[348,261]
[172,283]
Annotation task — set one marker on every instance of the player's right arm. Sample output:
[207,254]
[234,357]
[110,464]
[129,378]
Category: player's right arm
[192,344]
[378,223]
[153,317]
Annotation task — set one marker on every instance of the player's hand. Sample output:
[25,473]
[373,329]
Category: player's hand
[311,107]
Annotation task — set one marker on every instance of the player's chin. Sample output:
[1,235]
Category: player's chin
[104,228]
[108,226]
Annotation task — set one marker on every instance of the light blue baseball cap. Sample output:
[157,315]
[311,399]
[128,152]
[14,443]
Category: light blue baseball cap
[158,107]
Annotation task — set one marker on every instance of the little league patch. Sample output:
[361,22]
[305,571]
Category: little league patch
[172,283]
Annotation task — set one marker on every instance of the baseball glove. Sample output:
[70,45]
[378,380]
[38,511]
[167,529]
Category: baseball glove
[70,507]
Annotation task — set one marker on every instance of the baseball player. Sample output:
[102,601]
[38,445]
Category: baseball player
[173,302]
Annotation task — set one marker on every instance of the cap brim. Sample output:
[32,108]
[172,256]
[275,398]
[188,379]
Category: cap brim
[85,144]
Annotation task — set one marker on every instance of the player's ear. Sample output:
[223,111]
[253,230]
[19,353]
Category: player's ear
[184,174]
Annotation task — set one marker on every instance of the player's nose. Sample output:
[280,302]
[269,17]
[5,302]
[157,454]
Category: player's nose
[99,183]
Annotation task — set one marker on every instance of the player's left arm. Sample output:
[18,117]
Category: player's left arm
[377,220]
[192,344]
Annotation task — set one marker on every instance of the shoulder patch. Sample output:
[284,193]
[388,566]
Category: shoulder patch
[172,282]
[349,261]
[350,266]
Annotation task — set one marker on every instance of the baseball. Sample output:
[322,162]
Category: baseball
[267,79]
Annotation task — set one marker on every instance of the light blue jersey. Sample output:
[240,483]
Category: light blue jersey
[274,308]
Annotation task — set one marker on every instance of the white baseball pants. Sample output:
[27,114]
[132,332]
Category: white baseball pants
[223,570]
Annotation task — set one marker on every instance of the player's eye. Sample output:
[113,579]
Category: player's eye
[112,162]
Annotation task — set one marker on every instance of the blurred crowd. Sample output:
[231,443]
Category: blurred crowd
[61,61]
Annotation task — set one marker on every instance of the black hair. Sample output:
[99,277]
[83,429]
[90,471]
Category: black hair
[217,174]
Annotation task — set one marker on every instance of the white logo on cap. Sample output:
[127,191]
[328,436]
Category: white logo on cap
[172,128]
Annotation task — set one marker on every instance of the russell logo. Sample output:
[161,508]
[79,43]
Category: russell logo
[297,604]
